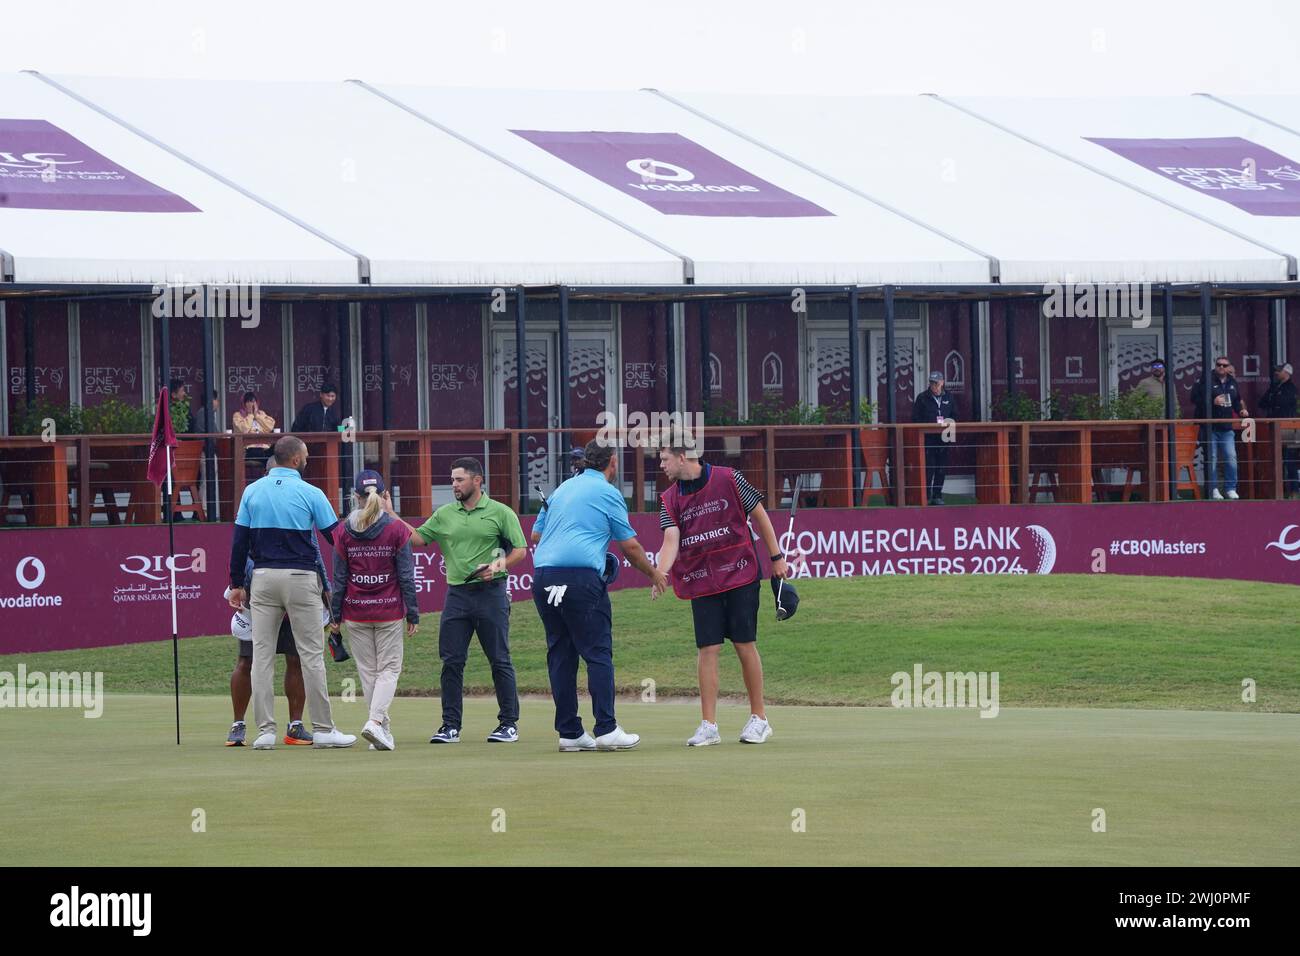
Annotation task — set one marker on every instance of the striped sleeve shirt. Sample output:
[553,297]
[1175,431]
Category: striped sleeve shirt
[750,497]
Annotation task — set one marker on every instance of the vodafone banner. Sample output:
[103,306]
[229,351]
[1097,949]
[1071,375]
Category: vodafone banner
[70,588]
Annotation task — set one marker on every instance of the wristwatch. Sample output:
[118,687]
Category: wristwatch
[778,557]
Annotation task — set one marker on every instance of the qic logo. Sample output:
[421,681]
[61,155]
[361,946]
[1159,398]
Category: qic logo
[156,567]
[35,160]
[1290,549]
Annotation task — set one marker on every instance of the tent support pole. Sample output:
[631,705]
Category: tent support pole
[855,387]
[563,376]
[521,394]
[384,372]
[976,385]
[890,366]
[706,376]
[1171,434]
[1207,369]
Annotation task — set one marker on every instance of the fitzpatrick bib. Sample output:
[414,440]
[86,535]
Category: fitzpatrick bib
[716,552]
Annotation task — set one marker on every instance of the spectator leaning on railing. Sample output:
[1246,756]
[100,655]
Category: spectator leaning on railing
[1225,403]
[1280,402]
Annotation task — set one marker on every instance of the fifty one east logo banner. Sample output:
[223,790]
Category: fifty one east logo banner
[672,174]
[44,167]
[1249,176]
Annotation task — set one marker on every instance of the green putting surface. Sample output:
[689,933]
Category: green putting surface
[876,786]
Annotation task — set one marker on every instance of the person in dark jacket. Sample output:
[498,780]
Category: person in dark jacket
[321,415]
[1221,441]
[1280,402]
[935,406]
[374,590]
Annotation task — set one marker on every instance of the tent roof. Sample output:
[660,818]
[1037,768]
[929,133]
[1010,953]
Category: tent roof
[127,211]
[423,207]
[1188,151]
[1043,218]
[126,182]
[798,229]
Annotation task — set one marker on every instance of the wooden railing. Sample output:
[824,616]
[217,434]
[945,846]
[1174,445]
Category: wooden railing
[82,480]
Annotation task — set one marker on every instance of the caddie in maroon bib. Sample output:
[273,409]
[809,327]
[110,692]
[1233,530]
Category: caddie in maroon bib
[716,552]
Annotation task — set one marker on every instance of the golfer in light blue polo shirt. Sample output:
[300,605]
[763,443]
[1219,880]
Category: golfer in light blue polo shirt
[581,518]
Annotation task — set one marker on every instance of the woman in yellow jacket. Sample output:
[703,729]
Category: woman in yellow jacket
[251,420]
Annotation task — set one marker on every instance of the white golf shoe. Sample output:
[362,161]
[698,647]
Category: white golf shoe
[332,738]
[378,735]
[1216,495]
[705,736]
[570,745]
[264,742]
[617,739]
[756,731]
[1233,496]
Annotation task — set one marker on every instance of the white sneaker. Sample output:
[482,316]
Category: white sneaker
[756,731]
[378,735]
[705,736]
[1233,496]
[264,742]
[332,738]
[1215,495]
[575,744]
[617,739]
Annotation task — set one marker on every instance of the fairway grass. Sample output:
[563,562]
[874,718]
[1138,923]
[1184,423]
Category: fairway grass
[876,786]
[1055,640]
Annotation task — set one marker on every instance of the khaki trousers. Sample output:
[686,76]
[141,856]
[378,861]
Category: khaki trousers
[378,648]
[276,592]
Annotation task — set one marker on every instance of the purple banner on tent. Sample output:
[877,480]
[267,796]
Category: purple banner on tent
[44,167]
[672,174]
[1245,174]
[72,588]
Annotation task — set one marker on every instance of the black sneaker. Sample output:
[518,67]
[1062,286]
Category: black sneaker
[446,735]
[505,734]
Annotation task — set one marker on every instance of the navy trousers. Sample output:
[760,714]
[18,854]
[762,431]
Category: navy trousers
[485,611]
[574,607]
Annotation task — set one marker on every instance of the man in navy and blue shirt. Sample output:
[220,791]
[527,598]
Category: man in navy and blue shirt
[276,526]
[569,588]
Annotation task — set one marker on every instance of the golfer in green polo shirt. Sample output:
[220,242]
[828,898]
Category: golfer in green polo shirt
[479,539]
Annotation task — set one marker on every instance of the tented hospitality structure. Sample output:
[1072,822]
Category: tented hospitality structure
[653,248]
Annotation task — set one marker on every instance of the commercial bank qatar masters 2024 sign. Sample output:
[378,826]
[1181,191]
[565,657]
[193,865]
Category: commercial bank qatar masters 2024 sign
[94,587]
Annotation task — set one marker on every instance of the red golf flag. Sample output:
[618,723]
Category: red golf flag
[163,436]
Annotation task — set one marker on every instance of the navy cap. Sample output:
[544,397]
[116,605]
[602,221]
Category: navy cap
[612,566]
[367,479]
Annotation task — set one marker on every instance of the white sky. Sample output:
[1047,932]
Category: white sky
[1008,47]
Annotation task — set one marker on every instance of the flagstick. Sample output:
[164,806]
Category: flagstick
[171,564]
